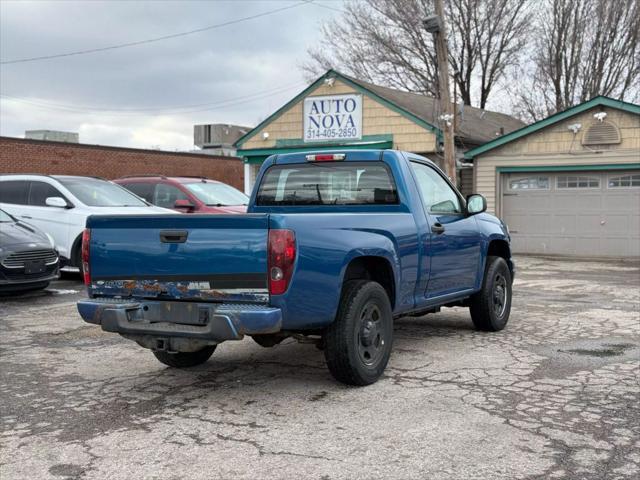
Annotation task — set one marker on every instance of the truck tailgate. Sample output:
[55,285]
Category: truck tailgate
[186,257]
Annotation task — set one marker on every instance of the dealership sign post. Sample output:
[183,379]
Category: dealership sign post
[333,117]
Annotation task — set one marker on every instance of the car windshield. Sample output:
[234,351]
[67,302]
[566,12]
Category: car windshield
[94,192]
[5,217]
[217,194]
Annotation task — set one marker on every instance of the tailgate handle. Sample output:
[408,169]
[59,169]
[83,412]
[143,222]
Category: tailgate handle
[173,236]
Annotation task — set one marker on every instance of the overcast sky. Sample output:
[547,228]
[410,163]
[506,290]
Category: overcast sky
[253,66]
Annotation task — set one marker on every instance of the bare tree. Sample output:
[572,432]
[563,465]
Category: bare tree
[583,48]
[384,41]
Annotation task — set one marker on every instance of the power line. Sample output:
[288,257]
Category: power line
[335,9]
[87,108]
[155,39]
[123,113]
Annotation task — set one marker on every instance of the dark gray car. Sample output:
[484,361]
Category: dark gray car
[28,260]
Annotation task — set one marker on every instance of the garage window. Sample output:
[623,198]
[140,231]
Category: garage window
[624,181]
[577,181]
[530,183]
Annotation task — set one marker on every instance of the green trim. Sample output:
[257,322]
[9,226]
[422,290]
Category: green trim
[356,86]
[299,142]
[557,117]
[569,168]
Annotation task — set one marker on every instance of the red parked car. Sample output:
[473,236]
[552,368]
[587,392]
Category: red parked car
[187,194]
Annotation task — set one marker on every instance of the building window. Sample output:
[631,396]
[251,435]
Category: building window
[530,183]
[577,181]
[624,181]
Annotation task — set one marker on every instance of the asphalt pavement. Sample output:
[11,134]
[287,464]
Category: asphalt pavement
[555,395]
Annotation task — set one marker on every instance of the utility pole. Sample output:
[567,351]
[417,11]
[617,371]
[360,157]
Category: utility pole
[435,25]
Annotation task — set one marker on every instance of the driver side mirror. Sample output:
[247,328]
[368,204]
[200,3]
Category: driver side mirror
[476,203]
[184,205]
[58,202]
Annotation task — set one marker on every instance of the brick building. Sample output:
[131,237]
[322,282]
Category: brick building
[18,155]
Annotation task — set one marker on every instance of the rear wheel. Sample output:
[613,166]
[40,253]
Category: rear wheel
[77,260]
[490,307]
[185,359]
[357,345]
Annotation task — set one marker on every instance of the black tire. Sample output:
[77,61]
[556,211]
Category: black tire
[77,260]
[490,307]
[357,345]
[185,359]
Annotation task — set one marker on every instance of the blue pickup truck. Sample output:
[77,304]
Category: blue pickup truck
[334,247]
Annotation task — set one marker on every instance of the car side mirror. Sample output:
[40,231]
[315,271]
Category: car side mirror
[57,202]
[476,203]
[185,205]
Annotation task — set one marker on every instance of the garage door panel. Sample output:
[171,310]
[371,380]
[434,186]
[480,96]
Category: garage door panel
[618,245]
[563,224]
[518,224]
[594,221]
[634,226]
[590,224]
[618,224]
[572,202]
[586,246]
[537,244]
[621,201]
[527,203]
[536,223]
[559,244]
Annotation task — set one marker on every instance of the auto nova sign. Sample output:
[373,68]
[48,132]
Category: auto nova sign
[333,117]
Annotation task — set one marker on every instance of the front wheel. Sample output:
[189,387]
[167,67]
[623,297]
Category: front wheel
[490,307]
[185,359]
[357,345]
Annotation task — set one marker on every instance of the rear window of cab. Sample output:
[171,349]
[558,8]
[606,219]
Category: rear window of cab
[328,183]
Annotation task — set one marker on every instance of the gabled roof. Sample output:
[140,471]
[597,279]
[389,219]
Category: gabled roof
[476,126]
[555,118]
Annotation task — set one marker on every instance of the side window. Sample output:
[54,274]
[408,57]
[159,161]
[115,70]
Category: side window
[143,190]
[577,181]
[529,183]
[624,181]
[437,195]
[39,193]
[166,195]
[14,191]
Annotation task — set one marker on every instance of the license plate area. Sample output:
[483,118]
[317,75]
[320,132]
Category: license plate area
[184,313]
[34,266]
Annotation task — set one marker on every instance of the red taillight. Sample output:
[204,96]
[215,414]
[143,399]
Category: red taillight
[86,239]
[282,255]
[328,157]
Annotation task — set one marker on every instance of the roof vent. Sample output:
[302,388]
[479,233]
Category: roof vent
[601,133]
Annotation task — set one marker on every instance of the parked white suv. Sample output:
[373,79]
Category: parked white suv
[59,205]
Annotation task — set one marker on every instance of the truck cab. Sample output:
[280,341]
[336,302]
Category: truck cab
[334,246]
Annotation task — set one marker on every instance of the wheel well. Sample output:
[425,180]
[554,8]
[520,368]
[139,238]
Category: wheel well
[500,248]
[77,244]
[377,269]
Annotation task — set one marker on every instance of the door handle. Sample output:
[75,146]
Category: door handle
[173,236]
[437,228]
[25,216]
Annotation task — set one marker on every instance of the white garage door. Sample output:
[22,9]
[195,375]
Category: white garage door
[573,213]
